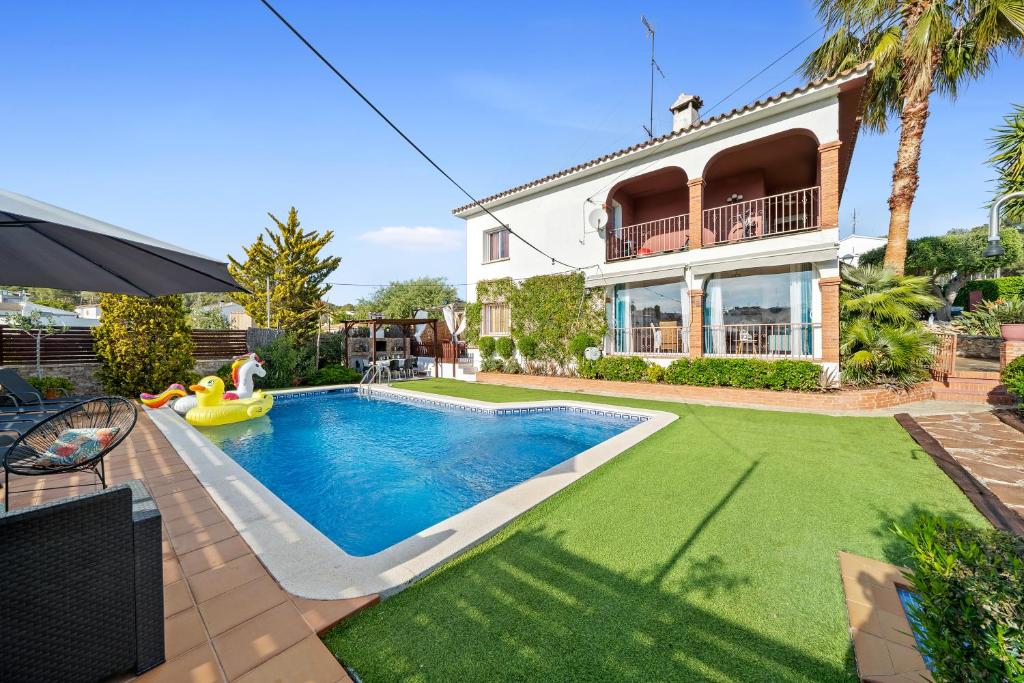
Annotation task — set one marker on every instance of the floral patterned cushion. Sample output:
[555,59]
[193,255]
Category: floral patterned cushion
[75,446]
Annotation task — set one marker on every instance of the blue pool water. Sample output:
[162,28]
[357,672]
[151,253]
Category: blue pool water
[909,601]
[371,472]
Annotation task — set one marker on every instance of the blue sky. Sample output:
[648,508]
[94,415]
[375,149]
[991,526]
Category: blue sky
[189,121]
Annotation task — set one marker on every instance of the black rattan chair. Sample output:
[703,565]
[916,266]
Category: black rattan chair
[23,457]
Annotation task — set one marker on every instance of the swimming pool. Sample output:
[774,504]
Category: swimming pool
[304,471]
[371,472]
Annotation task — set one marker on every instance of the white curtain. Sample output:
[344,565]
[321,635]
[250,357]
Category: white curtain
[713,303]
[791,343]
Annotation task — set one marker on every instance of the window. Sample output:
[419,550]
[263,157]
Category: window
[495,320]
[495,245]
[650,317]
[768,312]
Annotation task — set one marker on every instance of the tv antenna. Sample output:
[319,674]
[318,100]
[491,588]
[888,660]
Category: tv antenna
[654,67]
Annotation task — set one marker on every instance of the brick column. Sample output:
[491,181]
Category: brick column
[1008,351]
[828,179]
[696,323]
[696,212]
[829,318]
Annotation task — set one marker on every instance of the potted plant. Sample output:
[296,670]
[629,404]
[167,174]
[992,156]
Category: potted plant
[51,387]
[1004,317]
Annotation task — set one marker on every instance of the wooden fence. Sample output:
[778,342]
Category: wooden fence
[945,356]
[75,346]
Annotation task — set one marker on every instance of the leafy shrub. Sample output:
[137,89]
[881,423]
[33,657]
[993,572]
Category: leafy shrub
[505,347]
[332,349]
[580,343]
[491,365]
[969,584]
[989,315]
[334,374]
[1013,377]
[512,367]
[622,368]
[655,373]
[587,369]
[527,347]
[991,290]
[486,345]
[224,372]
[142,344]
[281,361]
[53,384]
[745,373]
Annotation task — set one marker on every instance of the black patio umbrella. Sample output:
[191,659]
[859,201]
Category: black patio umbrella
[42,245]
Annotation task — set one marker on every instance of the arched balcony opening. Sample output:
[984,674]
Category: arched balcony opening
[762,189]
[648,215]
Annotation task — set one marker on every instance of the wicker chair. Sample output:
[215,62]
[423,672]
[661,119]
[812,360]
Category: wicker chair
[83,587]
[22,457]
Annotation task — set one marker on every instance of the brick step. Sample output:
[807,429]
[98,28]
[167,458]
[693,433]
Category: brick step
[975,391]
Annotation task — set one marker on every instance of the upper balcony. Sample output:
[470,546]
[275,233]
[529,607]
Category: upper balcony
[767,188]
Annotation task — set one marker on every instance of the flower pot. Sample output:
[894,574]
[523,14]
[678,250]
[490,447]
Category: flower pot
[51,394]
[1012,331]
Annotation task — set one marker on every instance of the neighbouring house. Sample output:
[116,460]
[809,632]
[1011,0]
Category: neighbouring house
[852,247]
[234,315]
[54,316]
[91,311]
[720,238]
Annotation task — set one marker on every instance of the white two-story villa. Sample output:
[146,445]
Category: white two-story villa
[717,239]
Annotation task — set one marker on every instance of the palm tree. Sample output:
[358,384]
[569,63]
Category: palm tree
[918,47]
[881,338]
[1008,159]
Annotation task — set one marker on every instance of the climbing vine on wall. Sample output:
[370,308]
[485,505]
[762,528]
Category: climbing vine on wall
[551,309]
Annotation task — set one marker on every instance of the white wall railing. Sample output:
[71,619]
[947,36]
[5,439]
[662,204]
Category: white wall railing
[762,340]
[644,239]
[778,214]
[650,341]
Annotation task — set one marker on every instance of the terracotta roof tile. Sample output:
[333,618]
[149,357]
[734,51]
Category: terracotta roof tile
[670,136]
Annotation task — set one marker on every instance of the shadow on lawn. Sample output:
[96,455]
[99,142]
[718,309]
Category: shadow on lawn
[531,610]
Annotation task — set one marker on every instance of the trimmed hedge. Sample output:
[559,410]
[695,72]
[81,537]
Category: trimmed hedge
[1011,287]
[1013,377]
[505,347]
[969,584]
[486,346]
[745,373]
[622,368]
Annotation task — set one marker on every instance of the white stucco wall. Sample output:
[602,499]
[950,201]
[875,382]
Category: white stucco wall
[553,216]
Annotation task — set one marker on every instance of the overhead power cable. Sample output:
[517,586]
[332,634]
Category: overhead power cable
[409,140]
[770,65]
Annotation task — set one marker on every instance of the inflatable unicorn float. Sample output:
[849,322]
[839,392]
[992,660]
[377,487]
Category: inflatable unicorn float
[211,405]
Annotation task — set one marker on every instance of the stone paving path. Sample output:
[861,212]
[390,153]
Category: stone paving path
[991,451]
[225,617]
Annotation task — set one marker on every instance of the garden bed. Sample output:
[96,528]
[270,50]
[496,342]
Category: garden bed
[846,399]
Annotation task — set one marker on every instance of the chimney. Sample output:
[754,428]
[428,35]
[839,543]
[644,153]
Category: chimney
[685,111]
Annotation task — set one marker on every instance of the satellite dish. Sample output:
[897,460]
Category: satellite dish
[597,219]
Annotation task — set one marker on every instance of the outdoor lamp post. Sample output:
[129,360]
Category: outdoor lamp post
[995,249]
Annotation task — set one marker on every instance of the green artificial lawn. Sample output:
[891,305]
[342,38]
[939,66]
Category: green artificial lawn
[707,552]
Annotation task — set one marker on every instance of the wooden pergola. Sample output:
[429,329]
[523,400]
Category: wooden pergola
[405,323]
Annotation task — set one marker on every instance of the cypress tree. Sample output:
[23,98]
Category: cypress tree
[290,257]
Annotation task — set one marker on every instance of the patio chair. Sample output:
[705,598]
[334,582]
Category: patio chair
[24,397]
[83,587]
[397,367]
[411,367]
[74,440]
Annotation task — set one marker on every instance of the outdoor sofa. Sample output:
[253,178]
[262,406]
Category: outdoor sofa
[83,587]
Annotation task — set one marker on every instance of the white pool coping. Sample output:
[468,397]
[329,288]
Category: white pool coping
[308,564]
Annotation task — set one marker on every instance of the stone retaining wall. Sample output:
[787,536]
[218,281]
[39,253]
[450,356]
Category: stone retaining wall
[83,375]
[855,399]
[972,346]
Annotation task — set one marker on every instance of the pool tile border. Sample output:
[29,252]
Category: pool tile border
[308,564]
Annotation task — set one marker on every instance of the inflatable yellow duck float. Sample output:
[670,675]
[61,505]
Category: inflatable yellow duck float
[213,409]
